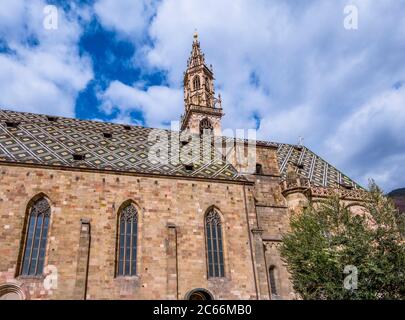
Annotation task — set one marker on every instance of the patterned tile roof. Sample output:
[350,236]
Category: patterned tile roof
[309,165]
[39,139]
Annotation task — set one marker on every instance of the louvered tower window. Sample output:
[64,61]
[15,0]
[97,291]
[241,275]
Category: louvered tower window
[196,83]
[206,126]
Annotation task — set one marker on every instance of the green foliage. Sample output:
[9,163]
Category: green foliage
[327,237]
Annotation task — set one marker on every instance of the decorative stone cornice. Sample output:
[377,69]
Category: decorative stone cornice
[257,230]
[269,237]
[272,245]
[302,185]
[294,185]
[344,194]
[270,204]
[202,110]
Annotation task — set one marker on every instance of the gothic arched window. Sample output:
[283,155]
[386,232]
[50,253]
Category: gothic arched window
[215,255]
[272,279]
[206,126]
[196,82]
[36,238]
[127,241]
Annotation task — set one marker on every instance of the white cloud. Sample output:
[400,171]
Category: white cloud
[374,136]
[11,17]
[290,63]
[127,16]
[42,70]
[157,103]
[311,73]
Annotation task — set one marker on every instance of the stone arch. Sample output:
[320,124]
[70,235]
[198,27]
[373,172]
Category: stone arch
[214,207]
[126,203]
[356,204]
[199,294]
[11,291]
[206,124]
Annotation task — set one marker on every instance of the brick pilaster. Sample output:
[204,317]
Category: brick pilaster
[172,285]
[260,264]
[82,260]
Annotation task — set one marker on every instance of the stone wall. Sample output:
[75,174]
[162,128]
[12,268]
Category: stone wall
[272,217]
[171,219]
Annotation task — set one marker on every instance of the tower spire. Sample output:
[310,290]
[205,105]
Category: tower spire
[202,108]
[197,57]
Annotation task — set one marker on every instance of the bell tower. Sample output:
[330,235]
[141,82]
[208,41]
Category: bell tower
[203,111]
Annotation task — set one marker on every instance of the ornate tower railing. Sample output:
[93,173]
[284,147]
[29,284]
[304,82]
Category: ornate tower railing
[303,185]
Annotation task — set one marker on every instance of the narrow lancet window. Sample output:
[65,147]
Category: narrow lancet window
[127,241]
[272,279]
[36,238]
[215,255]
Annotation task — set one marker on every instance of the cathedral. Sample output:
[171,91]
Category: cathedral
[87,213]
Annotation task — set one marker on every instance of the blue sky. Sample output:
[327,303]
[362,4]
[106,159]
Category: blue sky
[286,67]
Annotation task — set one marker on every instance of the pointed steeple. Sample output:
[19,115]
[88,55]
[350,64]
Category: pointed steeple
[197,58]
[203,109]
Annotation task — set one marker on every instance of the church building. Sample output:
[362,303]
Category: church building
[85,213]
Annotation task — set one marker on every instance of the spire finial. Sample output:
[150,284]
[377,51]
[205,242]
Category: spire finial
[195,35]
[300,141]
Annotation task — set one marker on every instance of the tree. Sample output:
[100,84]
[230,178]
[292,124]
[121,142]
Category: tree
[326,240]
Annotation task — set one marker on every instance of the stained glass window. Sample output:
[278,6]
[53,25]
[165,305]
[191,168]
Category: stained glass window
[215,255]
[35,244]
[127,241]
